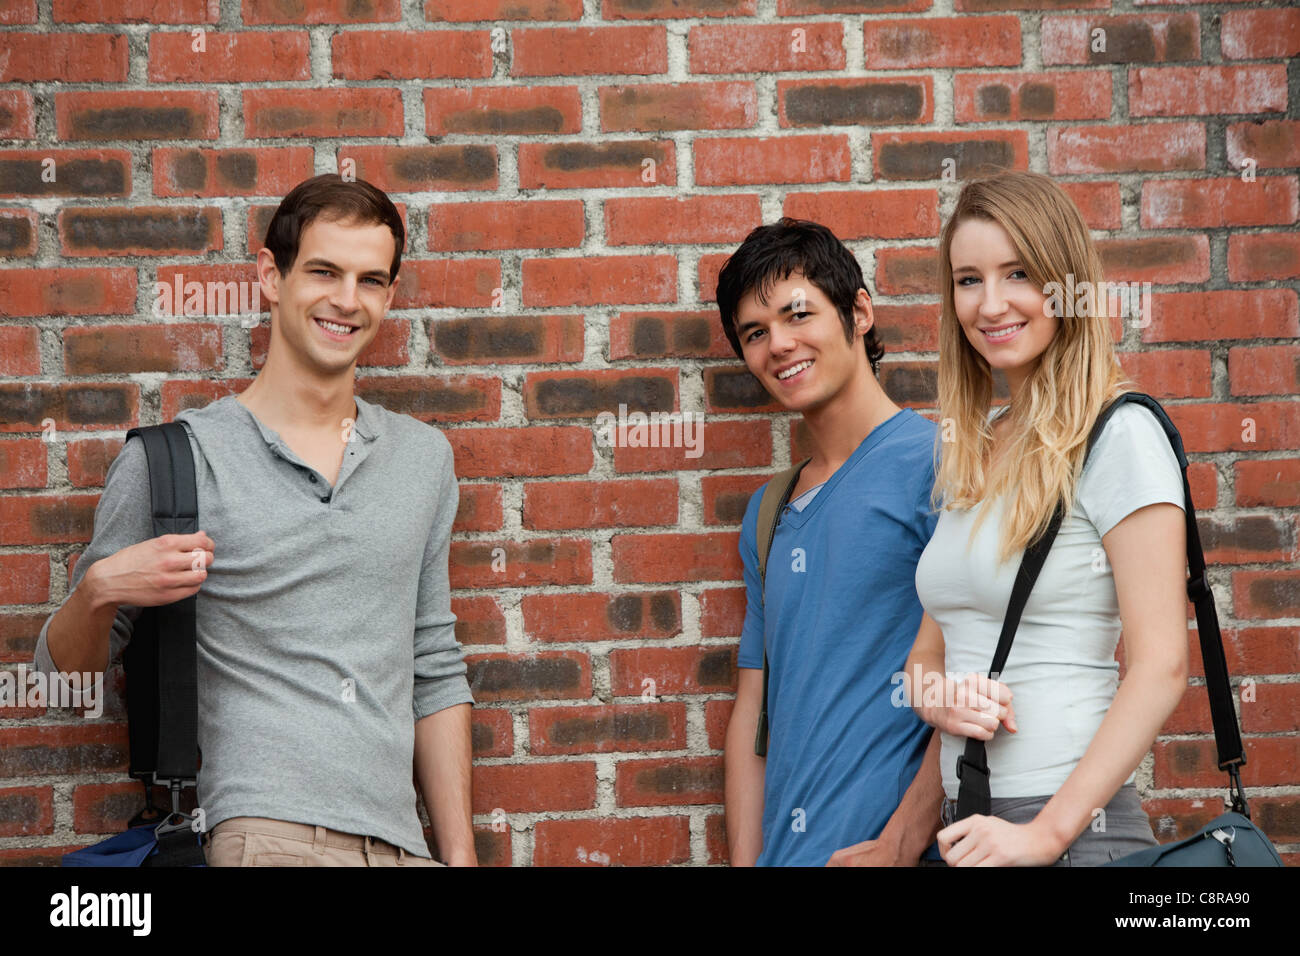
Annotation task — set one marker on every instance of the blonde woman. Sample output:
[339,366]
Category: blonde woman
[1063,736]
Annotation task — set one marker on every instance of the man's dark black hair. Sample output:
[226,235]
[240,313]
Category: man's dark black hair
[331,197]
[772,253]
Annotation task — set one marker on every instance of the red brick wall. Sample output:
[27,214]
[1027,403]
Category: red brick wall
[573,179]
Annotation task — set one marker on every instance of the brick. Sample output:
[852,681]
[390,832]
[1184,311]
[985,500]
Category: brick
[1247,539]
[911,328]
[1210,203]
[589,51]
[1206,90]
[602,617]
[46,519]
[1164,260]
[664,558]
[521,452]
[1109,149]
[548,675]
[717,714]
[1223,314]
[561,505]
[727,496]
[1179,373]
[766,47]
[491,846]
[877,214]
[932,155]
[1098,202]
[992,6]
[673,670]
[89,460]
[607,728]
[854,102]
[909,270]
[534,787]
[257,12]
[256,56]
[1262,594]
[17,117]
[1018,97]
[479,620]
[1275,709]
[194,290]
[408,55]
[508,339]
[722,612]
[188,393]
[36,856]
[744,161]
[1260,34]
[941,42]
[1261,257]
[636,841]
[63,57]
[63,749]
[798,8]
[19,631]
[1270,144]
[491,733]
[479,509]
[1194,763]
[24,578]
[689,219]
[266,171]
[473,11]
[351,112]
[503,110]
[643,335]
[20,350]
[18,11]
[1177,818]
[128,115]
[911,384]
[599,280]
[676,9]
[522,563]
[139,231]
[1129,38]
[1249,426]
[1268,370]
[588,393]
[23,463]
[457,227]
[1257,650]
[658,107]
[72,407]
[123,349]
[424,168]
[1267,484]
[575,165]
[97,172]
[388,348]
[736,390]
[26,811]
[447,283]
[744,444]
[135,11]
[453,398]
[668,781]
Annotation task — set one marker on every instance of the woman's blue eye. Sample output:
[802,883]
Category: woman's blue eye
[967,280]
[1021,273]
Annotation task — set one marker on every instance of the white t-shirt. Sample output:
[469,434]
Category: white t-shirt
[1061,667]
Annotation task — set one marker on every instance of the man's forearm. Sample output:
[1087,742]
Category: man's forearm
[78,635]
[442,765]
[916,820]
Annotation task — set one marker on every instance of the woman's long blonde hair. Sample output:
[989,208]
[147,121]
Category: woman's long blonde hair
[1075,378]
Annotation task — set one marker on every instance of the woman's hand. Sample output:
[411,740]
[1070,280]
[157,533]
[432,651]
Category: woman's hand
[973,707]
[978,840]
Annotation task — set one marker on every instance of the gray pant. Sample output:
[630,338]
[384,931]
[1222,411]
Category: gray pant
[1124,828]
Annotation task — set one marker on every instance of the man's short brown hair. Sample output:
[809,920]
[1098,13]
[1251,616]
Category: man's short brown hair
[331,197]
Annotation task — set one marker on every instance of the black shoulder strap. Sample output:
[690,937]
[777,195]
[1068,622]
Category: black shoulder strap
[972,766]
[160,659]
[775,497]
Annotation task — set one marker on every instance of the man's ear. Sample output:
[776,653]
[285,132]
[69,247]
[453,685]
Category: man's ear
[392,292]
[864,317]
[268,275]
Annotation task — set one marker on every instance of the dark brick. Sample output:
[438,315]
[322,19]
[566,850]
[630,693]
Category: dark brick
[868,102]
[160,230]
[579,396]
[924,160]
[735,389]
[73,177]
[526,676]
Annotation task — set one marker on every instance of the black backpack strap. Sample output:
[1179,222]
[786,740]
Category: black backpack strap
[972,766]
[162,682]
[775,497]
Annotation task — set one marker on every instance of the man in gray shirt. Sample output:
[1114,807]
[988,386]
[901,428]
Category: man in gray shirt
[327,660]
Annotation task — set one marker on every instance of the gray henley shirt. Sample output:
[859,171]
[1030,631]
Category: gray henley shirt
[324,626]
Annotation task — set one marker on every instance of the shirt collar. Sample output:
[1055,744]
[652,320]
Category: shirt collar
[367,425]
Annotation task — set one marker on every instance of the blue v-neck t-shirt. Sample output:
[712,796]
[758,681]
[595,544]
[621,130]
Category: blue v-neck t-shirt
[840,617]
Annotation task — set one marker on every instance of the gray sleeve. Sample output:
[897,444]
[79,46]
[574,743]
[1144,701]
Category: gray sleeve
[122,518]
[440,670]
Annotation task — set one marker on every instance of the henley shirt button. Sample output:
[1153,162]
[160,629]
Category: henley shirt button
[312,479]
[325,499]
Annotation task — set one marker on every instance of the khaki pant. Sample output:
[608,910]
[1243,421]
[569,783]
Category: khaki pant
[256,841]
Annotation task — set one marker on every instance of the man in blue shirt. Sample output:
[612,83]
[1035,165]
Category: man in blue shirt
[850,777]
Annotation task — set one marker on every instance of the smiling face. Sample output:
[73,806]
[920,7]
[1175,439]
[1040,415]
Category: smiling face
[327,308]
[795,344]
[1004,314]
